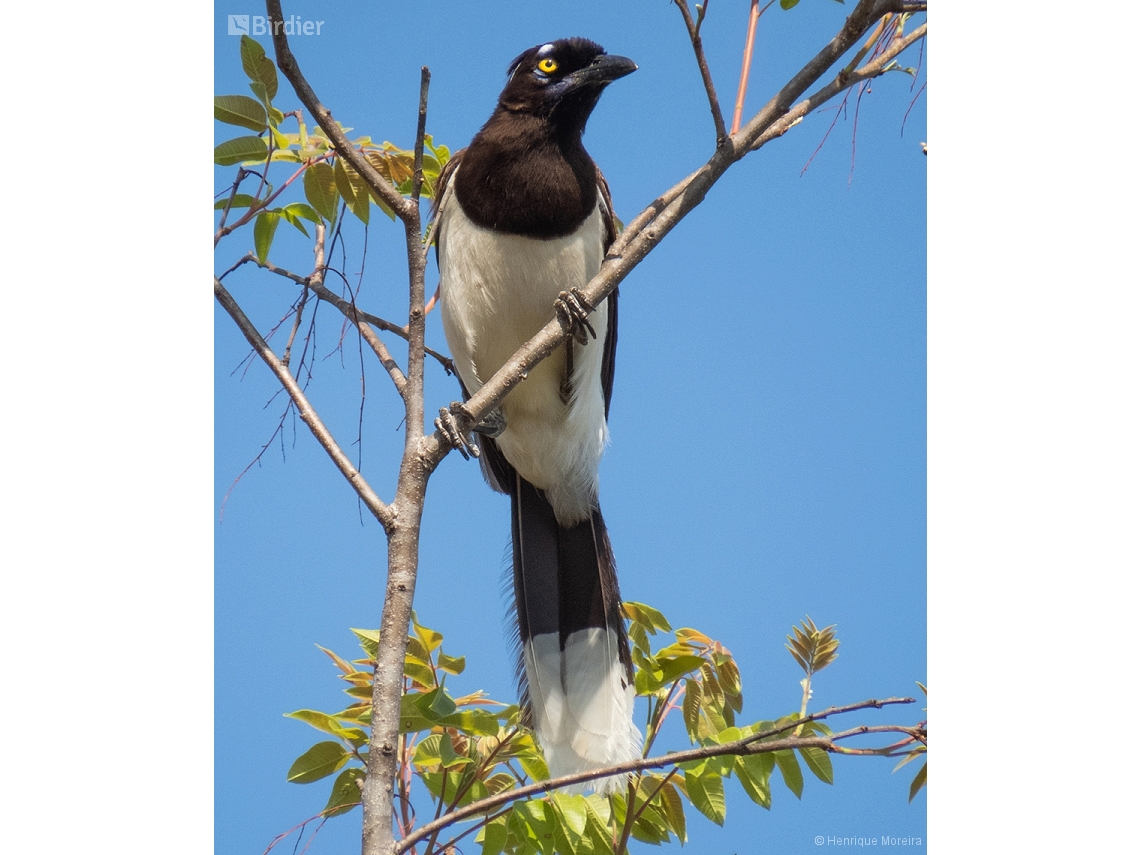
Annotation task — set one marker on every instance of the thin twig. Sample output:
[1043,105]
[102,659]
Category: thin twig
[702,63]
[288,65]
[650,227]
[309,416]
[872,69]
[750,745]
[754,14]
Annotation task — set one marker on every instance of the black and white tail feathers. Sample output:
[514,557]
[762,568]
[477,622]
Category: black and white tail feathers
[575,670]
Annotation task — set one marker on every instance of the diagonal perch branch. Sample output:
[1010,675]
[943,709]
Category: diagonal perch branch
[650,227]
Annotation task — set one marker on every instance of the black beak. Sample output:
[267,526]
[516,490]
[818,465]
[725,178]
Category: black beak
[603,70]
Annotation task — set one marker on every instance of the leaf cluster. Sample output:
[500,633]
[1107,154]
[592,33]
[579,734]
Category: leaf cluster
[330,184]
[465,748]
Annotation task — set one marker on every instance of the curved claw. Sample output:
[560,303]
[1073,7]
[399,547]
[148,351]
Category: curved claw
[448,425]
[493,424]
[573,313]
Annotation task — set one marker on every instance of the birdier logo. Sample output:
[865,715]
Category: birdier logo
[259,25]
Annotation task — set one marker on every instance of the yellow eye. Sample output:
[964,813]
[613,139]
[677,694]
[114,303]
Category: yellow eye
[547,66]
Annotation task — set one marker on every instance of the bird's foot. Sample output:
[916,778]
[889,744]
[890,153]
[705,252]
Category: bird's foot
[492,424]
[574,314]
[449,425]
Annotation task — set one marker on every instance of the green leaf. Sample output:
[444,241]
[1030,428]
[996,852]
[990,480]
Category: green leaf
[790,770]
[819,761]
[650,827]
[281,142]
[572,809]
[300,209]
[318,762]
[706,792]
[429,637]
[452,664]
[918,783]
[369,641]
[500,782]
[346,792]
[264,227]
[788,4]
[293,220]
[241,200]
[597,824]
[673,809]
[257,65]
[754,771]
[320,190]
[239,110]
[495,836]
[343,182]
[691,708]
[648,616]
[240,150]
[534,765]
[532,816]
[328,724]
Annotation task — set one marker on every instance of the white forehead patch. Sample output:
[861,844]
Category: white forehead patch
[545,49]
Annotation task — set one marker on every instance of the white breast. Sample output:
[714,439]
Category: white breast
[498,291]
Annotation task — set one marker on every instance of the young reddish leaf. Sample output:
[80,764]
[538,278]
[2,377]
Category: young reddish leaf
[692,636]
[648,616]
[339,662]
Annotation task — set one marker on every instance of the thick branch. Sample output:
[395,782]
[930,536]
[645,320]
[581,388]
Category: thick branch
[288,64]
[403,546]
[379,509]
[741,747]
[650,227]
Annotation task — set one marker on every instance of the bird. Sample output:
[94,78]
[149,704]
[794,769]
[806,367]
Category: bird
[522,221]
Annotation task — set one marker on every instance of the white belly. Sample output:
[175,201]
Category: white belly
[497,292]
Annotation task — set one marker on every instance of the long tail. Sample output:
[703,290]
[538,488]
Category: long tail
[575,668]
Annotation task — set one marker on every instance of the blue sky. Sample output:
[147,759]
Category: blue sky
[768,426]
[112,516]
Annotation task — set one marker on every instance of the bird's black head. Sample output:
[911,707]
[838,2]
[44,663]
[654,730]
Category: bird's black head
[562,81]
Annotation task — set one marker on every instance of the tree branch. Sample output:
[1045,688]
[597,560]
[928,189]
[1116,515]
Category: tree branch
[741,747]
[748,746]
[702,63]
[379,509]
[288,64]
[841,83]
[649,228]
